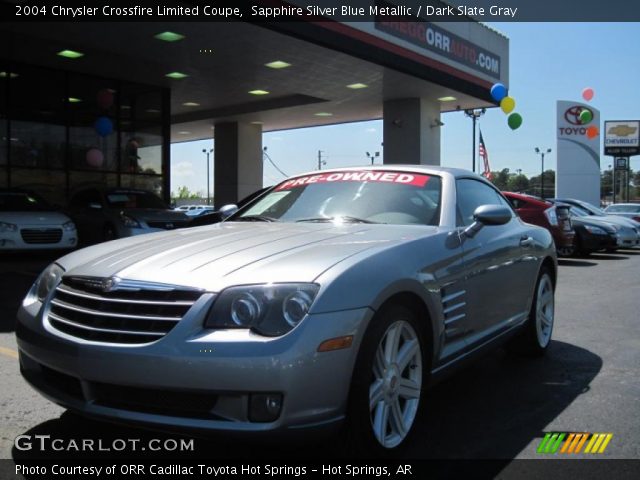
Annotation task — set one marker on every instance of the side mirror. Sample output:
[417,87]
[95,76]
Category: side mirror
[95,206]
[488,215]
[228,210]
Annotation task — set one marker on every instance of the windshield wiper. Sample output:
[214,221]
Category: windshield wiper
[254,218]
[345,219]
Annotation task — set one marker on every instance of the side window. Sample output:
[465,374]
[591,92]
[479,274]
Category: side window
[470,195]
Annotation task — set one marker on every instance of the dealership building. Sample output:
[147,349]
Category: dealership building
[100,103]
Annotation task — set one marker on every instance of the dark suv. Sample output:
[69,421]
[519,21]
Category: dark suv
[102,215]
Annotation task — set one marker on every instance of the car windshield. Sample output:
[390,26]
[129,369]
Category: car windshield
[22,202]
[578,211]
[134,199]
[623,209]
[351,197]
[592,208]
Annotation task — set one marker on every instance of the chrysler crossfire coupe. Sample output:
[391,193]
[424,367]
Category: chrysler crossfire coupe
[331,301]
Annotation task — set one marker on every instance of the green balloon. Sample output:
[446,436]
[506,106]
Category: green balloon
[514,121]
[585,116]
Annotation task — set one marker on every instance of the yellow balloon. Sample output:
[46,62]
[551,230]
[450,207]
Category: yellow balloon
[507,104]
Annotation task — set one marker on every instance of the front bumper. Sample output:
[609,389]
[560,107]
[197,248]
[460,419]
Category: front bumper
[195,378]
[15,241]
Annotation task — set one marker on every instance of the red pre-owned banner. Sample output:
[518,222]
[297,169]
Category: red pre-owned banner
[414,179]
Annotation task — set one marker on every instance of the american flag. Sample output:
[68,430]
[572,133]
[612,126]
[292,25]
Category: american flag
[484,155]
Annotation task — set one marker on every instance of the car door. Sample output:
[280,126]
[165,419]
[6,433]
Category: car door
[496,264]
[87,210]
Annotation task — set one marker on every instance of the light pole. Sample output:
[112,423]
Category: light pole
[542,154]
[207,153]
[372,157]
[474,115]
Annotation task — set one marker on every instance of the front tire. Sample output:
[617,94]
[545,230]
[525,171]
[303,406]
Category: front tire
[387,383]
[535,338]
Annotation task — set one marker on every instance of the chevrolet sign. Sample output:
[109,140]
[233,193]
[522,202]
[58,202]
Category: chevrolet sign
[622,138]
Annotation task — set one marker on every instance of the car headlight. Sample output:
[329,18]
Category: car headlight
[271,310]
[69,226]
[47,281]
[595,230]
[8,227]
[128,221]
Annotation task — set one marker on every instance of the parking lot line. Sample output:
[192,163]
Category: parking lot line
[8,352]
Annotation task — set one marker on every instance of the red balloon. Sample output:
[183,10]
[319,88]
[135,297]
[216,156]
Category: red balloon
[105,98]
[588,93]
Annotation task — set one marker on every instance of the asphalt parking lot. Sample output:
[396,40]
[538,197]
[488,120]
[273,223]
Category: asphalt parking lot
[497,408]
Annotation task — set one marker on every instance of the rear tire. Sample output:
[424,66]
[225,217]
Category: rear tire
[535,337]
[388,381]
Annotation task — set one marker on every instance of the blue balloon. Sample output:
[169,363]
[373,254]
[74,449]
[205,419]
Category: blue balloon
[104,126]
[498,92]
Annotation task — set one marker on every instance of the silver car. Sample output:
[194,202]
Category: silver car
[332,300]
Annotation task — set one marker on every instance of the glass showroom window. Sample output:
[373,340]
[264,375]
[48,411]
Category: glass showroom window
[141,122]
[93,136]
[37,112]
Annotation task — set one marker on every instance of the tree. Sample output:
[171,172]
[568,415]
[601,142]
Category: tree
[185,194]
[518,183]
[500,179]
[549,184]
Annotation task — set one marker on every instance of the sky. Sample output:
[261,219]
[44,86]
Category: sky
[548,62]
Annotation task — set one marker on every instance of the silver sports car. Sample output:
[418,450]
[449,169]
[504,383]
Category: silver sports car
[332,299]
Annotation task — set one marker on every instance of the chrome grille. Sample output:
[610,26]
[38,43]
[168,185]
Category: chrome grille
[41,235]
[129,313]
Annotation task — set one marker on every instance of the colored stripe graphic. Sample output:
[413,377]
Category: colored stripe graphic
[573,442]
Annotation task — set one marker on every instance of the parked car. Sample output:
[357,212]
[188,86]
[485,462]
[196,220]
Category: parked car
[629,230]
[593,235]
[200,210]
[628,210]
[211,217]
[335,298]
[102,215]
[28,222]
[546,214]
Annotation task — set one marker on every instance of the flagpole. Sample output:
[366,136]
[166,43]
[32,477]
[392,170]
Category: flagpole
[474,115]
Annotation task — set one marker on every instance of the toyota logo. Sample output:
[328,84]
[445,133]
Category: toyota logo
[572,115]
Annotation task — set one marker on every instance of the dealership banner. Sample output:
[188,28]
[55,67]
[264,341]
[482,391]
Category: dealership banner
[578,152]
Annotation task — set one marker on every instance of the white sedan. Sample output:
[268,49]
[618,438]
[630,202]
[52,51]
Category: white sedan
[28,222]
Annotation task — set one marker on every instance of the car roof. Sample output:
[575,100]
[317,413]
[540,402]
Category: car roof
[528,198]
[424,169]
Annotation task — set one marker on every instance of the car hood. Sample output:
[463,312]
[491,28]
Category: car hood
[615,219]
[593,221]
[235,253]
[34,218]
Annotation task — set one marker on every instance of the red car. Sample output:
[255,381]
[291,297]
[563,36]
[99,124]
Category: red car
[554,218]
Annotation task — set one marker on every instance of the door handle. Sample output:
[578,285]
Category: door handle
[526,241]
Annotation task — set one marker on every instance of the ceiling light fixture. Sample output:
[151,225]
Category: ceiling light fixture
[259,92]
[357,86]
[277,64]
[176,75]
[70,54]
[169,36]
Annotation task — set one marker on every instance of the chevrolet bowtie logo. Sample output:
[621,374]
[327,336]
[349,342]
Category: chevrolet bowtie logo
[622,130]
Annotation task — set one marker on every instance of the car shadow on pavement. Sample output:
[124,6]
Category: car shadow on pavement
[575,263]
[492,409]
[609,256]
